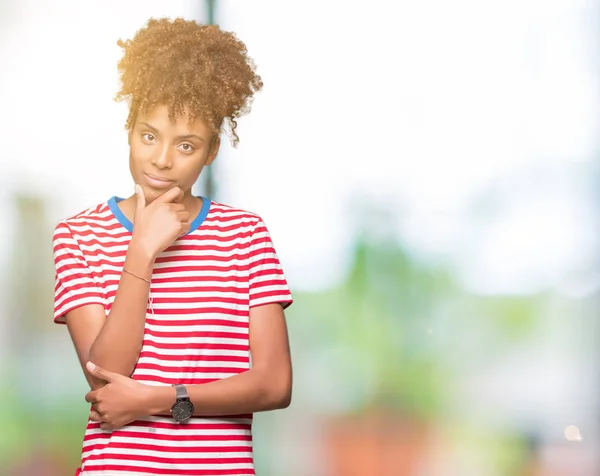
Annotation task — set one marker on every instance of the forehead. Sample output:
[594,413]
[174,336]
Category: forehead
[158,118]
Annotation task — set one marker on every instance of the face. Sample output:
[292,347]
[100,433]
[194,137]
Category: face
[165,154]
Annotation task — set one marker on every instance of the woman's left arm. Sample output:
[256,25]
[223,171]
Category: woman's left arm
[266,386]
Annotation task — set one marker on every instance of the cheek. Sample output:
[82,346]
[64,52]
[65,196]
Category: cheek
[133,168]
[138,155]
[189,170]
[190,175]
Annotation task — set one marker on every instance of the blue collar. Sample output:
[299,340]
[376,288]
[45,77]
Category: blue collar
[122,219]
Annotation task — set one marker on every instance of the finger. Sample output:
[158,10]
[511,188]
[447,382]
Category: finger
[172,195]
[179,197]
[91,397]
[177,207]
[95,416]
[102,374]
[183,216]
[185,228]
[106,426]
[140,200]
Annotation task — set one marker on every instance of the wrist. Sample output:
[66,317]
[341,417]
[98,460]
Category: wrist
[160,399]
[139,258]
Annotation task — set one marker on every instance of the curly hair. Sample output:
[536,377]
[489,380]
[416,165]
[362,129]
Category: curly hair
[199,69]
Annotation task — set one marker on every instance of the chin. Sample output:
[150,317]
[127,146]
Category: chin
[151,193]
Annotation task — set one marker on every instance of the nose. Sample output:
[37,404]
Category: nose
[163,159]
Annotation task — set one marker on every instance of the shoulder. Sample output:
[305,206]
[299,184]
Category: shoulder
[220,212]
[90,218]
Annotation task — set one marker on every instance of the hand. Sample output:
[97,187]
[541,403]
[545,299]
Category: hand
[158,225]
[121,401]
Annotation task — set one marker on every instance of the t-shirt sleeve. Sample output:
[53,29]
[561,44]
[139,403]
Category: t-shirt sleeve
[75,284]
[267,280]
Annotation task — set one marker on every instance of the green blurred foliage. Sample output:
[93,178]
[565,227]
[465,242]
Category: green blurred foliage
[392,326]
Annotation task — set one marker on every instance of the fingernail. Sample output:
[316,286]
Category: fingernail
[90,366]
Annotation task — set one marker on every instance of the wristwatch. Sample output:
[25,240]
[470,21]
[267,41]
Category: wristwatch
[183,408]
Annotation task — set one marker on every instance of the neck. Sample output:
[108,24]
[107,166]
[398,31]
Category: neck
[192,204]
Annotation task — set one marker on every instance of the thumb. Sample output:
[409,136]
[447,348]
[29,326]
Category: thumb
[100,373]
[141,199]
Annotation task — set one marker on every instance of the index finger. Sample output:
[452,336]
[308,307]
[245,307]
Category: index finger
[91,397]
[174,194]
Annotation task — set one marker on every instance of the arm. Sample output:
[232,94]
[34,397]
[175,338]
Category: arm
[266,386]
[114,341]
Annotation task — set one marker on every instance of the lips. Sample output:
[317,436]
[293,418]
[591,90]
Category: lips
[158,182]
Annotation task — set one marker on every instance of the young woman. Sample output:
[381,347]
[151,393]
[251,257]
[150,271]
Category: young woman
[167,295]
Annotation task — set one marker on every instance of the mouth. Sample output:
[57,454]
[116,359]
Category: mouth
[157,182]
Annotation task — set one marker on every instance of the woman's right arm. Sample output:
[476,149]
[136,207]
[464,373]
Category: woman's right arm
[114,341]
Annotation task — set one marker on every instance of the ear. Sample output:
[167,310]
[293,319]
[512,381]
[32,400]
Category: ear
[214,150]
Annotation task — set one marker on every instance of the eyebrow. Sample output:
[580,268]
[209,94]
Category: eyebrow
[184,137]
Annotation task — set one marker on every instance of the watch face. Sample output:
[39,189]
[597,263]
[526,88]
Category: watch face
[182,410]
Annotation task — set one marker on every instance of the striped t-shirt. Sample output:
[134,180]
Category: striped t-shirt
[196,330]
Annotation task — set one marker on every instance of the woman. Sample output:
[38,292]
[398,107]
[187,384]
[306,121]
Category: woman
[167,295]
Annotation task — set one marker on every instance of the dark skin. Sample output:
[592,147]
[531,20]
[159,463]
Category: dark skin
[165,160]
[176,151]
[160,211]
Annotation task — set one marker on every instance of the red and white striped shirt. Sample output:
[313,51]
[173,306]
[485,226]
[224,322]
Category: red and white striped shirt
[196,330]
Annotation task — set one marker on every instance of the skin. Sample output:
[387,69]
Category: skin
[161,211]
[266,386]
[175,151]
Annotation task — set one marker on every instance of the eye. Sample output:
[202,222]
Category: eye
[185,147]
[148,137]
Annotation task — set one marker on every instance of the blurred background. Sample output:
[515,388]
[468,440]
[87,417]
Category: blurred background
[429,173]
